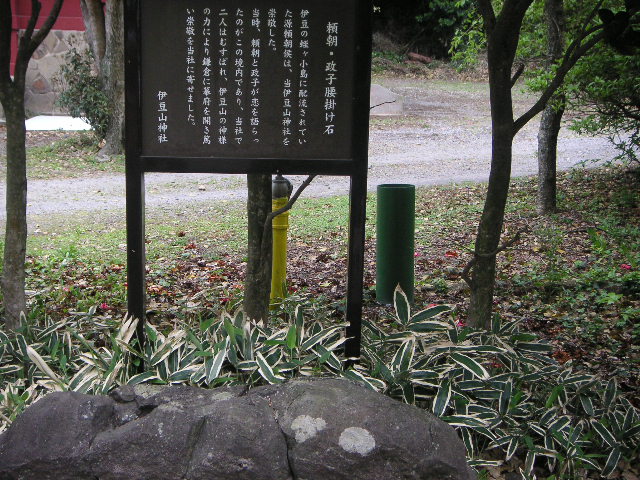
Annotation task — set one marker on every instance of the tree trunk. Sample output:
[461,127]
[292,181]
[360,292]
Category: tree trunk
[258,280]
[490,227]
[552,115]
[94,25]
[113,76]
[547,157]
[12,99]
[503,33]
[501,52]
[15,242]
[105,32]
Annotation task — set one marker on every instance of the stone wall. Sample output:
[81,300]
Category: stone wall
[41,88]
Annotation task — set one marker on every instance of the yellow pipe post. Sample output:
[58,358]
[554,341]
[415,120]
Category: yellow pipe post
[279,265]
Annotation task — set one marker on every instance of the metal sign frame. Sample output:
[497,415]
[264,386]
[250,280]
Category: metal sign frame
[354,167]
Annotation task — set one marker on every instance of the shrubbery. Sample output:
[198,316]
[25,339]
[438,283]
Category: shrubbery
[500,389]
[82,94]
[604,89]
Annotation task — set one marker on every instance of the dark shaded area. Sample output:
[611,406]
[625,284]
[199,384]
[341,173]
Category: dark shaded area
[422,26]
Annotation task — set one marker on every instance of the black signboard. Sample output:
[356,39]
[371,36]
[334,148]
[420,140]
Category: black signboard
[240,86]
[240,79]
[247,86]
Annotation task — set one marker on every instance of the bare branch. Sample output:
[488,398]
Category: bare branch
[576,50]
[40,35]
[589,19]
[30,40]
[5,47]
[465,273]
[467,269]
[293,198]
[516,75]
[488,15]
[267,223]
[628,112]
[36,6]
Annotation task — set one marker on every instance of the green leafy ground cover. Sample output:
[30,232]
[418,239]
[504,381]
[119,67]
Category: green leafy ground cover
[574,276]
[514,406]
[573,281]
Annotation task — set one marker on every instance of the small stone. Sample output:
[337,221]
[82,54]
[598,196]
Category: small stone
[61,47]
[124,394]
[40,85]
[51,41]
[459,287]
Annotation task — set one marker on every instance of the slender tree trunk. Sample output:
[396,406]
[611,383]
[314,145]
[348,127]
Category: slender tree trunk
[112,74]
[258,280]
[547,157]
[552,115]
[501,52]
[503,32]
[490,227]
[12,99]
[15,240]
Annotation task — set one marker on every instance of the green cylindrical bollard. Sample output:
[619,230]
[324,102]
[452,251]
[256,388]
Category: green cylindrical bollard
[395,241]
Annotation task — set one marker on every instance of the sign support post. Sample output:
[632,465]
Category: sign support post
[136,284]
[135,188]
[355,267]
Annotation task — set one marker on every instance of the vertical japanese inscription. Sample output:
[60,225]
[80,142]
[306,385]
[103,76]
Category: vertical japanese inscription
[331,77]
[191,65]
[303,77]
[287,89]
[206,76]
[263,80]
[256,52]
[223,74]
[239,76]
[162,118]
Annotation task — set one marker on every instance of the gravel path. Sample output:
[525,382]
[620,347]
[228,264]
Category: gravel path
[443,138]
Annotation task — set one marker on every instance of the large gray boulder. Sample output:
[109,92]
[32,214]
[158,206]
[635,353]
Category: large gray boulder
[329,429]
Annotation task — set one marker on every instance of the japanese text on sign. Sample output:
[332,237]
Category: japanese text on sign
[251,78]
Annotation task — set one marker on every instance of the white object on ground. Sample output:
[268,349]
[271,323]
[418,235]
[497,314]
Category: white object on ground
[56,122]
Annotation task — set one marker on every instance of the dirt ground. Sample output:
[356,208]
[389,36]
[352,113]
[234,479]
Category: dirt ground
[443,137]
